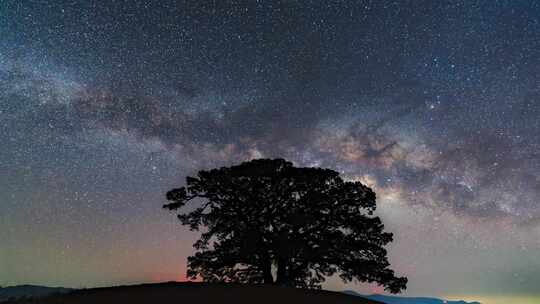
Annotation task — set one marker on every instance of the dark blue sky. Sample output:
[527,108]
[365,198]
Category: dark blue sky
[105,106]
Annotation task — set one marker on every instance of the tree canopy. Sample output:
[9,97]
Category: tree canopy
[266,221]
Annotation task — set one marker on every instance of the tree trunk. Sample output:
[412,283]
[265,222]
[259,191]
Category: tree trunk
[282,277]
[267,272]
[266,268]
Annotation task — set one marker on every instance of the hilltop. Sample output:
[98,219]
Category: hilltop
[173,292]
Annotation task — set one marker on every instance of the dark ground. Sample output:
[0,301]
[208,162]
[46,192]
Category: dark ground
[198,293]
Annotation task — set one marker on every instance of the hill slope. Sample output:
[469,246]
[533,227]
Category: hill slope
[201,293]
[29,291]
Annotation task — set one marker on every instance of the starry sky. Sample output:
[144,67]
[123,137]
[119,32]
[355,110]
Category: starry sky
[104,106]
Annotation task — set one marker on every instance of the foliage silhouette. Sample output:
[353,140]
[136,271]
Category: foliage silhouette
[266,221]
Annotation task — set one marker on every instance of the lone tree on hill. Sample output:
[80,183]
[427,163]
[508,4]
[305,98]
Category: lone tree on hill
[266,221]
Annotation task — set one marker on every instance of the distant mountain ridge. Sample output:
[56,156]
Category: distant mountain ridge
[406,300]
[33,291]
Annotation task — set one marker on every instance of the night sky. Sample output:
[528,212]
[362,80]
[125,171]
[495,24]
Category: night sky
[106,105]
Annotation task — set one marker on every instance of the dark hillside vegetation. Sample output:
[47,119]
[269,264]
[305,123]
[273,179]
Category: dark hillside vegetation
[198,293]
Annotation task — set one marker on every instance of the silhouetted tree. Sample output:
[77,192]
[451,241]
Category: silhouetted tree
[266,221]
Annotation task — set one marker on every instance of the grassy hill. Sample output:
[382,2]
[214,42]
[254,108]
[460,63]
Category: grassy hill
[198,293]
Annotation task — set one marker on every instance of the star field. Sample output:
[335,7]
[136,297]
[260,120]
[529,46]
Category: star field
[106,106]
